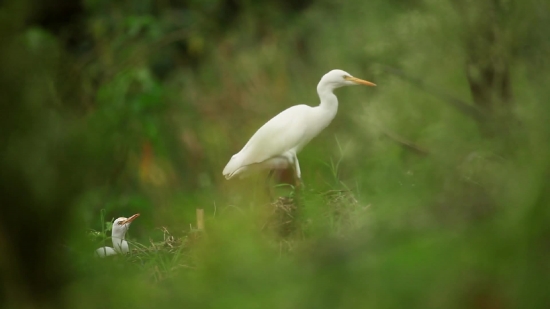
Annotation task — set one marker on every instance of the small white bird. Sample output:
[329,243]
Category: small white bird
[276,144]
[119,229]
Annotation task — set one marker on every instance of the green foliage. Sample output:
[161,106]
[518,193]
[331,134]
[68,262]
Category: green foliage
[428,191]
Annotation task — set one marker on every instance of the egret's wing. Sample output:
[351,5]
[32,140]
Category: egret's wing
[280,134]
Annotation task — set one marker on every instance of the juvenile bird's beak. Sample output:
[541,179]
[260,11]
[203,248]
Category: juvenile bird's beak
[129,220]
[359,81]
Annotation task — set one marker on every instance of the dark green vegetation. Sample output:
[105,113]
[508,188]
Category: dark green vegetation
[430,191]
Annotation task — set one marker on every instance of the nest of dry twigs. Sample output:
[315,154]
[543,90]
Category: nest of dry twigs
[167,256]
[282,216]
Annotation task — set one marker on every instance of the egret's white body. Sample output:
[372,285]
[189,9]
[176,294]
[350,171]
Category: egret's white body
[276,144]
[118,234]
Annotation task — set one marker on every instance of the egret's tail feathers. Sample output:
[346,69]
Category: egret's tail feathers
[232,166]
[242,167]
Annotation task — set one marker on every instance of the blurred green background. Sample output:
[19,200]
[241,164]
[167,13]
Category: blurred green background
[431,190]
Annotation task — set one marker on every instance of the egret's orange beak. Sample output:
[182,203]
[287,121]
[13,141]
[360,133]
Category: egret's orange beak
[129,220]
[359,81]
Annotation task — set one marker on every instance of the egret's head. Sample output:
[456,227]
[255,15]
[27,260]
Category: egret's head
[121,225]
[338,78]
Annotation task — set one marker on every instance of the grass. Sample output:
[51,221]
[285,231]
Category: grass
[412,204]
[281,221]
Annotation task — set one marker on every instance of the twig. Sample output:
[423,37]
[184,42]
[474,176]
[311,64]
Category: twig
[403,142]
[200,219]
[461,106]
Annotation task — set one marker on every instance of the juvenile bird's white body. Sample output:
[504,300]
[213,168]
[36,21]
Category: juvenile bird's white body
[276,144]
[118,234]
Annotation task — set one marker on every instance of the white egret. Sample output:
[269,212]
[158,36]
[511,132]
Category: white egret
[119,229]
[276,144]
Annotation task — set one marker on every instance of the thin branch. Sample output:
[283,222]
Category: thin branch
[461,106]
[405,143]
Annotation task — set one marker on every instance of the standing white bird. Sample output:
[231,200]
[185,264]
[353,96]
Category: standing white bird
[119,229]
[276,144]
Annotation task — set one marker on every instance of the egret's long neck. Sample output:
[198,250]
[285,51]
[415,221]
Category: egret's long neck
[117,240]
[329,101]
[118,237]
[120,245]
